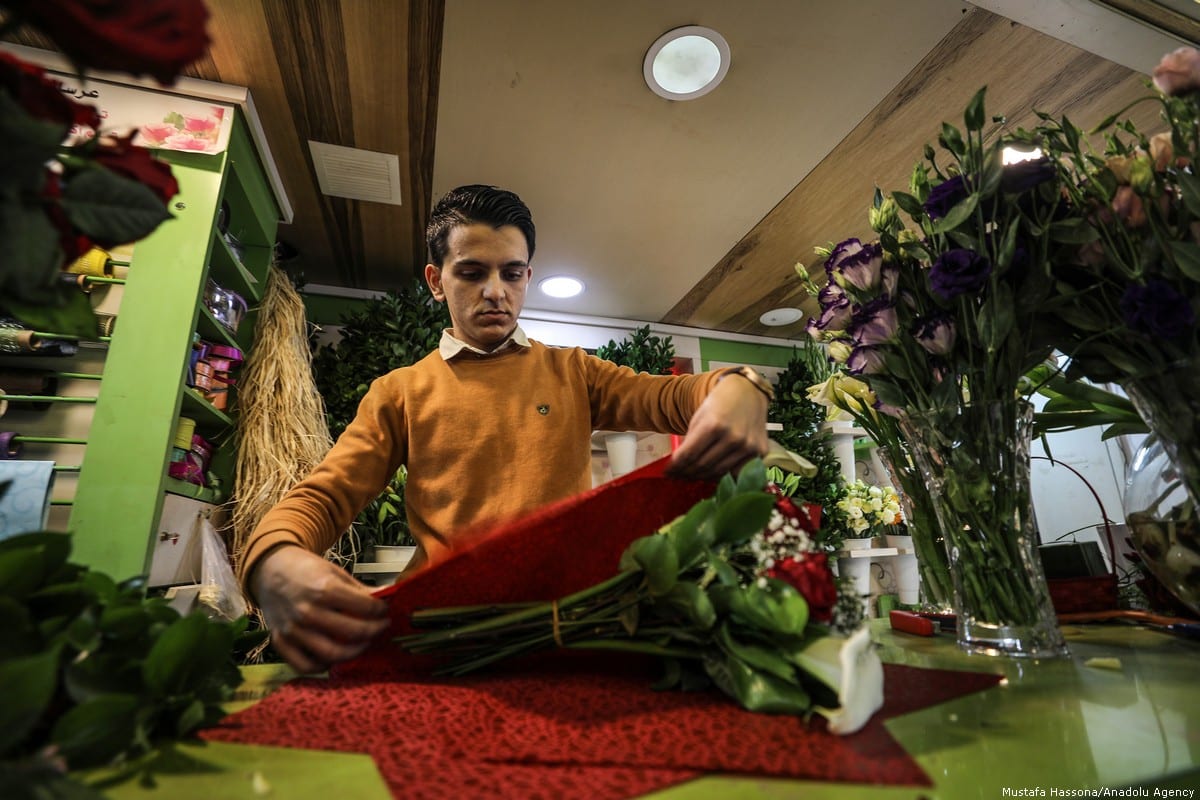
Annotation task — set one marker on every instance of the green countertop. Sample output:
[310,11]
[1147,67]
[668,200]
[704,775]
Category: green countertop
[1123,711]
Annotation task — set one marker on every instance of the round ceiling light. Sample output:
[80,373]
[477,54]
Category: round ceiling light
[781,316]
[560,286]
[686,63]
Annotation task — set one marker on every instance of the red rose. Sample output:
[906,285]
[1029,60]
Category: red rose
[41,97]
[811,577]
[141,37]
[807,519]
[136,163]
[72,243]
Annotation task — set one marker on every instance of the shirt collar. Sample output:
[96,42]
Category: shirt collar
[451,346]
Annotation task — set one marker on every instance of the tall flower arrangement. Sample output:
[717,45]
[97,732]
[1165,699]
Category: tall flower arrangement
[56,200]
[1129,291]
[942,317]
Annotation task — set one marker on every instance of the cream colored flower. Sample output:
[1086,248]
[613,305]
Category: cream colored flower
[852,668]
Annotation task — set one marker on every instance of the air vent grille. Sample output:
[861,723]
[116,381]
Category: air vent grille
[356,174]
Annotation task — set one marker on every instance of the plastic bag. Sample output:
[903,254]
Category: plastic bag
[220,595]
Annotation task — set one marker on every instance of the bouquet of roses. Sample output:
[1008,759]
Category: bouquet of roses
[734,593]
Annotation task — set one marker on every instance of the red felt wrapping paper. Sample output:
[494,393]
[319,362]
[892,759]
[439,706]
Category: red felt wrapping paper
[573,724]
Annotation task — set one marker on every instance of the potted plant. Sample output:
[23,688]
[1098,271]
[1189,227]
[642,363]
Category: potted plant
[394,330]
[641,352]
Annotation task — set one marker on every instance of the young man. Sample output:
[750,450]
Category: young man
[490,426]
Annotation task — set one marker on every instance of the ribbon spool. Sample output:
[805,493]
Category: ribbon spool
[184,430]
[93,262]
[78,281]
[29,382]
[3,404]
[106,324]
[8,448]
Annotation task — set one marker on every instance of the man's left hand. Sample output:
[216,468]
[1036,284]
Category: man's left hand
[727,430]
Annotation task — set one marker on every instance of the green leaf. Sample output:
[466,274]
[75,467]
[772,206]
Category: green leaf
[96,730]
[973,117]
[756,656]
[1189,185]
[33,257]
[996,317]
[656,555]
[103,673]
[742,517]
[1187,258]
[692,602]
[190,718]
[170,663]
[726,488]
[29,143]
[755,690]
[112,208]
[692,533]
[909,204]
[28,689]
[70,313]
[952,140]
[753,477]
[957,215]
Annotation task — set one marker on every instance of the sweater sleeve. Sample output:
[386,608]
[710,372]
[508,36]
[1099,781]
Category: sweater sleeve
[320,508]
[622,399]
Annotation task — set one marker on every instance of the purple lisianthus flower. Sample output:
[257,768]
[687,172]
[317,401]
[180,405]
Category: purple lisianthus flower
[891,411]
[945,196]
[890,276]
[865,360]
[1024,175]
[835,309]
[957,272]
[855,264]
[936,334]
[874,322]
[1157,309]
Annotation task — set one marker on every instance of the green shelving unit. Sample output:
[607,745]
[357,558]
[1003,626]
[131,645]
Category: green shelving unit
[123,477]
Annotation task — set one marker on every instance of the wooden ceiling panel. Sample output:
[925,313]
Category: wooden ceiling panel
[1024,70]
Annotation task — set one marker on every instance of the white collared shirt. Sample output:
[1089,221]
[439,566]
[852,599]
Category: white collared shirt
[450,346]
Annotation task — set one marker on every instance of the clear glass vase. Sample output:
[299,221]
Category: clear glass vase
[937,588]
[975,461]
[1163,523]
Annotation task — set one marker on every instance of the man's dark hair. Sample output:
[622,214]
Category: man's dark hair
[475,204]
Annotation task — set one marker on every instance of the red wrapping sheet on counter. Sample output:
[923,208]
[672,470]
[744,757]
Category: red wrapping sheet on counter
[569,724]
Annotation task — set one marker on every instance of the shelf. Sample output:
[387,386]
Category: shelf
[185,489]
[230,273]
[205,414]
[213,331]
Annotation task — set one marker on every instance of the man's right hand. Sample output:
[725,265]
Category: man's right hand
[318,615]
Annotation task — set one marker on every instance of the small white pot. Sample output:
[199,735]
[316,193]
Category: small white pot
[622,451]
[858,544]
[857,569]
[394,554]
[900,542]
[908,579]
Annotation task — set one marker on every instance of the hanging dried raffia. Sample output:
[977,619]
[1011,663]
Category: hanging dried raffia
[282,431]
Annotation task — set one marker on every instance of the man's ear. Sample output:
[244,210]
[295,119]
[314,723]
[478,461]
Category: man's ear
[433,277]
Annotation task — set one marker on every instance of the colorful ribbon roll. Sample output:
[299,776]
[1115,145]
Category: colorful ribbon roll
[77,280]
[3,404]
[29,382]
[93,262]
[9,449]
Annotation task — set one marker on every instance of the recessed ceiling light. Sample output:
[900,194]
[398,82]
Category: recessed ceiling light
[686,63]
[560,286]
[781,316]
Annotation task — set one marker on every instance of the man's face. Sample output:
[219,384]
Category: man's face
[482,281]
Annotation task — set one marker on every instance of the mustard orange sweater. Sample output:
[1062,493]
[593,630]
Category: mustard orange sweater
[476,442]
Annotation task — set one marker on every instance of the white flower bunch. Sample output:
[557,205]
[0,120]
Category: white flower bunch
[870,510]
[783,538]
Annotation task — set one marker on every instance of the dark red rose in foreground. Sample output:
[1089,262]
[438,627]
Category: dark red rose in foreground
[140,37]
[72,242]
[40,96]
[136,163]
[813,580]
